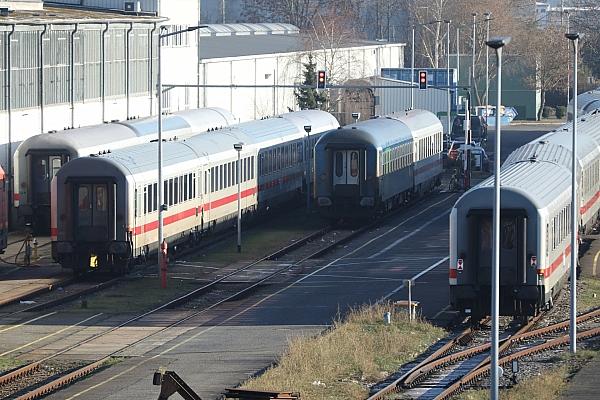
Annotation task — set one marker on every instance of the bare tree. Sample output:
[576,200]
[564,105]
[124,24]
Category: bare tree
[547,58]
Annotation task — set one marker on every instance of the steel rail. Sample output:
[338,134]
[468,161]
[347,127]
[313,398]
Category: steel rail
[66,379]
[551,344]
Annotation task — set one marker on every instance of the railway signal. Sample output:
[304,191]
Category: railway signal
[321,79]
[423,80]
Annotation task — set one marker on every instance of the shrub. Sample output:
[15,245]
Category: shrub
[548,112]
[561,111]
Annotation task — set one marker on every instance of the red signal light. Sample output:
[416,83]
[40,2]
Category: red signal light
[321,79]
[422,79]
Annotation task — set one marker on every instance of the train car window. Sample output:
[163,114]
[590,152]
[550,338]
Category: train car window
[252,167]
[205,181]
[194,192]
[83,195]
[56,164]
[185,189]
[339,164]
[101,198]
[508,234]
[171,191]
[191,181]
[221,177]
[175,190]
[354,164]
[145,199]
[212,179]
[154,197]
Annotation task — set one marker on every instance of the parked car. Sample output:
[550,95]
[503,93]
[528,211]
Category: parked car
[478,128]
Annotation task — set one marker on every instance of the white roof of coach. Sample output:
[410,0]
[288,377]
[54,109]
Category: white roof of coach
[98,138]
[540,182]
[420,122]
[142,158]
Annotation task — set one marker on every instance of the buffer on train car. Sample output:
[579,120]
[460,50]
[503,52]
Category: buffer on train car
[321,79]
[422,80]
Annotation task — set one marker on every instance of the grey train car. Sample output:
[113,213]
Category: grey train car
[374,165]
[535,224]
[105,207]
[38,159]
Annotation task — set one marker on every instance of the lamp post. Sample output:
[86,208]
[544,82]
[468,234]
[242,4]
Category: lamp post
[457,56]
[307,129]
[449,126]
[568,65]
[496,44]
[238,147]
[412,71]
[574,37]
[161,206]
[487,68]
[472,85]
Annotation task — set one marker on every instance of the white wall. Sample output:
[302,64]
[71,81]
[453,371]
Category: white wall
[283,69]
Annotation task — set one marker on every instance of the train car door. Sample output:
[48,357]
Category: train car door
[93,212]
[512,248]
[43,167]
[346,167]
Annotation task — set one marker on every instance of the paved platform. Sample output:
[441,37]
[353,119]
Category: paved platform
[584,385]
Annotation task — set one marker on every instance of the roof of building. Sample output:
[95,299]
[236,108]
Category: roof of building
[219,46]
[64,15]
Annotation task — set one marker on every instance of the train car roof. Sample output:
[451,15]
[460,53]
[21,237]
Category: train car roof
[218,144]
[385,131]
[555,146]
[540,182]
[99,138]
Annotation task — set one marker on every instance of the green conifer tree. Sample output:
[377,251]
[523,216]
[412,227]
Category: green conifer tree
[310,98]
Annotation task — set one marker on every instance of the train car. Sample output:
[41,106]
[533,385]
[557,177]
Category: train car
[586,103]
[107,205]
[3,212]
[38,159]
[534,228]
[374,165]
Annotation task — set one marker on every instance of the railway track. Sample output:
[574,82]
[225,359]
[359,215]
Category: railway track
[233,284]
[445,372]
[267,270]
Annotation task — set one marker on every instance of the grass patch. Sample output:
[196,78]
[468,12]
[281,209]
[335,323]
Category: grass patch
[356,351]
[8,363]
[135,295]
[585,296]
[264,239]
[548,386]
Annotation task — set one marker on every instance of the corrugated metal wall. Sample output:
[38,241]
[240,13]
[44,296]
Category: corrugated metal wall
[87,59]
[146,5]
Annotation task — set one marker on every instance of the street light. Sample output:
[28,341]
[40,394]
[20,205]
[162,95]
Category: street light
[162,258]
[238,148]
[412,71]
[496,44]
[307,129]
[574,37]
[472,85]
[449,126]
[487,19]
